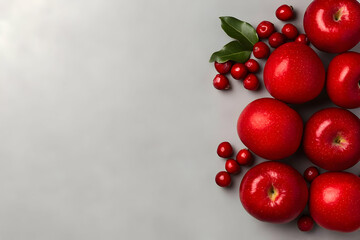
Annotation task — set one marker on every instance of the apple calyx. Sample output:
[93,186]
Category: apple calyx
[339,13]
[273,193]
[340,142]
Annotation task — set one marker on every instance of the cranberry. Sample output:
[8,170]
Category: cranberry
[265,29]
[277,39]
[290,31]
[284,12]
[302,38]
[251,82]
[221,82]
[223,67]
[311,173]
[305,223]
[238,71]
[261,50]
[223,179]
[244,157]
[232,166]
[252,65]
[225,150]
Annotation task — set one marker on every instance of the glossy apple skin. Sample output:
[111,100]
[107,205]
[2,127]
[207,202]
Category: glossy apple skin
[332,139]
[343,80]
[334,201]
[294,73]
[327,34]
[270,128]
[292,192]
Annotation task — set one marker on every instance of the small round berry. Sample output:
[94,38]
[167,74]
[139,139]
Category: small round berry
[284,12]
[261,50]
[238,71]
[225,150]
[244,157]
[277,39]
[221,82]
[305,223]
[232,166]
[290,31]
[223,67]
[265,29]
[302,38]
[223,179]
[311,173]
[252,65]
[251,82]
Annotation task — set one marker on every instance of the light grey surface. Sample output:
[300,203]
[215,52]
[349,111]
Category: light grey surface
[109,122]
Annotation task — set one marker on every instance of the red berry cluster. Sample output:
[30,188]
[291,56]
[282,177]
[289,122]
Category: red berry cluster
[243,158]
[238,71]
[266,29]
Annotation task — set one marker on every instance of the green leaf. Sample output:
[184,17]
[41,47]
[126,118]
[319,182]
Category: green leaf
[234,51]
[239,30]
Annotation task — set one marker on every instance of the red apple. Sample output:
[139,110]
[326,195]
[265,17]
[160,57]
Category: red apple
[273,192]
[335,201]
[270,128]
[332,139]
[343,80]
[294,73]
[333,25]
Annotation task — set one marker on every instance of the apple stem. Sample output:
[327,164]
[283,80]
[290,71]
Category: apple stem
[338,14]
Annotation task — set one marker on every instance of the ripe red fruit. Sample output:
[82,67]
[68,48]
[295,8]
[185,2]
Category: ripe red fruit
[332,25]
[223,67]
[284,12]
[261,50]
[223,179]
[238,71]
[232,166]
[343,80]
[294,73]
[221,82]
[335,201]
[332,139]
[244,157]
[252,65]
[273,192]
[311,173]
[302,38]
[270,128]
[277,39]
[290,31]
[305,223]
[265,29]
[225,150]
[251,82]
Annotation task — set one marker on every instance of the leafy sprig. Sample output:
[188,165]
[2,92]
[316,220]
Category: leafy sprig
[240,49]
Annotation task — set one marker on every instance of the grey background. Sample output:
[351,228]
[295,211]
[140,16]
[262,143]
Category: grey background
[109,121]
